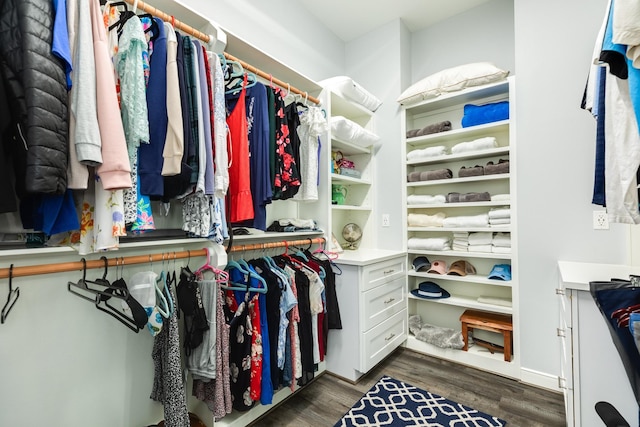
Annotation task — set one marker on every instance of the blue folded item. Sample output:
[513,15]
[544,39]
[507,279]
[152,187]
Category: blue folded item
[475,115]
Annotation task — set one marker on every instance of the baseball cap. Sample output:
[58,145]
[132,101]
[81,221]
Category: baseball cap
[501,272]
[461,268]
[438,267]
[430,290]
[421,263]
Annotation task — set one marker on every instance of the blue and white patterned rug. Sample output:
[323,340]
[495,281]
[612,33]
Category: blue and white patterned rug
[394,403]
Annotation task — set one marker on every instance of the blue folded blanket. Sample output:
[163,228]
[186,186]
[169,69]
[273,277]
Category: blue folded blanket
[480,114]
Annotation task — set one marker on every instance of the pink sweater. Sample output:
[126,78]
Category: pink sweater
[115,171]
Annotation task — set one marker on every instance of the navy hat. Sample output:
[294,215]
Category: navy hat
[500,272]
[430,290]
[421,263]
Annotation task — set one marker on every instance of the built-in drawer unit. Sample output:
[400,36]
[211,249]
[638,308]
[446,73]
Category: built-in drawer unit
[379,304]
[380,341]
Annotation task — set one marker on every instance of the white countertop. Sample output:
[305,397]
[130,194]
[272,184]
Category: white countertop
[367,256]
[577,275]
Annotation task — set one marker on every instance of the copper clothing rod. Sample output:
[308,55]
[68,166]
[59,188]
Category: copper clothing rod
[34,270]
[205,38]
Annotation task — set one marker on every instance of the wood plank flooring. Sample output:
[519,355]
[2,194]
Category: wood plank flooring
[328,398]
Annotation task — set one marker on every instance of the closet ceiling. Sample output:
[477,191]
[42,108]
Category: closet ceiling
[353,18]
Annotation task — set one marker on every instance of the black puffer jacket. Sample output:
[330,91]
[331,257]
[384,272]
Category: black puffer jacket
[36,84]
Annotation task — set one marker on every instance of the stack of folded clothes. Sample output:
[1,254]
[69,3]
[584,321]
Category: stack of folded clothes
[424,220]
[468,197]
[500,216]
[460,241]
[501,167]
[485,143]
[467,171]
[481,220]
[480,242]
[429,129]
[425,199]
[501,243]
[429,175]
[429,244]
[501,198]
[423,153]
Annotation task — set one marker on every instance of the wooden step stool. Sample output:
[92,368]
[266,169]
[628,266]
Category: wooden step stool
[500,323]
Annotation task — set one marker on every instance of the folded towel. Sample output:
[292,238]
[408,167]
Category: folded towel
[436,174]
[501,198]
[502,239]
[461,235]
[493,169]
[461,242]
[418,199]
[480,238]
[423,220]
[468,197]
[438,150]
[429,244]
[481,220]
[475,197]
[479,248]
[470,171]
[477,144]
[413,176]
[500,213]
[475,115]
[459,248]
[501,250]
[494,300]
[435,128]
[412,133]
[500,221]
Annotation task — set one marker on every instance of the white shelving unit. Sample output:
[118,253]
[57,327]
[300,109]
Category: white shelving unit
[464,290]
[358,204]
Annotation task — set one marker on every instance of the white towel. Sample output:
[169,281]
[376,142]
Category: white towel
[480,238]
[501,198]
[418,199]
[477,144]
[502,239]
[461,242]
[494,300]
[424,220]
[500,221]
[429,244]
[500,213]
[439,150]
[479,248]
[501,249]
[461,235]
[459,248]
[481,220]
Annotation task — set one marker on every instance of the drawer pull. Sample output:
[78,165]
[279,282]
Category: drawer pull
[389,271]
[390,337]
[390,300]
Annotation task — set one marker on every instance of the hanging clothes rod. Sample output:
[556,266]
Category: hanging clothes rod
[35,270]
[205,38]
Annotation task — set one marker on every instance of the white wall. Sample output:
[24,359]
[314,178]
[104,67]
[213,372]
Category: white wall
[556,143]
[374,61]
[484,33]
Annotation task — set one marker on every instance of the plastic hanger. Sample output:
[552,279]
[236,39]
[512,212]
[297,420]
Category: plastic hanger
[161,301]
[13,294]
[83,285]
[251,273]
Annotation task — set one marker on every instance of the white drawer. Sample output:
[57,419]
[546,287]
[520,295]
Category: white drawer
[380,341]
[382,302]
[383,272]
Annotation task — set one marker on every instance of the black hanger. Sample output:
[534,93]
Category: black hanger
[83,284]
[7,307]
[118,289]
[125,15]
[153,28]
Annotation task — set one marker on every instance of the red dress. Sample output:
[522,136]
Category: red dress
[239,194]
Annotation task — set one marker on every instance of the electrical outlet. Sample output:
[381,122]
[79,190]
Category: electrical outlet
[386,222]
[600,220]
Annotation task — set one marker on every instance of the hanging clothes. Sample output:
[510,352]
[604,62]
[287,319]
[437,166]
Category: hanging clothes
[239,196]
[312,125]
[217,393]
[287,176]
[168,387]
[174,140]
[202,360]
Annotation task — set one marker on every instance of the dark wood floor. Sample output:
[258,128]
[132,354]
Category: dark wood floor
[327,399]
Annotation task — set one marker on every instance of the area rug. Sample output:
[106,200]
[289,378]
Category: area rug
[394,403]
